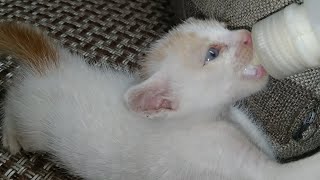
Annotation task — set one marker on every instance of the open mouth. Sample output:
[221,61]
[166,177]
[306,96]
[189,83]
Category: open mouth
[254,71]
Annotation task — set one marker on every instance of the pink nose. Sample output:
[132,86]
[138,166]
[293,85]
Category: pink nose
[247,39]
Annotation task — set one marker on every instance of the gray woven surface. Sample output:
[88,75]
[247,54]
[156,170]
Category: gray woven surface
[240,13]
[284,106]
[108,32]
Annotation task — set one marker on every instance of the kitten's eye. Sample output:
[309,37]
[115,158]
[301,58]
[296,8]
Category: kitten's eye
[212,54]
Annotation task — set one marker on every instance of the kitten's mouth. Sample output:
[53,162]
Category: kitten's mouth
[254,72]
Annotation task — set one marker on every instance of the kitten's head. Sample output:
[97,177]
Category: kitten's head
[196,66]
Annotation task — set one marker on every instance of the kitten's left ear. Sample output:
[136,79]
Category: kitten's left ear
[152,96]
[224,24]
[190,19]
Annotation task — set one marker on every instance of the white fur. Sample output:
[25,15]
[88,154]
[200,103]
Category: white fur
[79,114]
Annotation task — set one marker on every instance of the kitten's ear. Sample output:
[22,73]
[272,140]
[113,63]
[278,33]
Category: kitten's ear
[152,96]
[190,19]
[224,24]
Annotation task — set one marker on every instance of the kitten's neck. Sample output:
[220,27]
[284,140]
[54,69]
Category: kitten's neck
[203,114]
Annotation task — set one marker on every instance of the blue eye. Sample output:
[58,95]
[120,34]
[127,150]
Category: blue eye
[212,54]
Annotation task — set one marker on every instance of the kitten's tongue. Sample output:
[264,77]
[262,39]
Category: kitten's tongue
[254,71]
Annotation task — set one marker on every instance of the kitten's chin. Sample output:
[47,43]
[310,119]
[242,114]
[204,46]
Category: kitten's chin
[253,86]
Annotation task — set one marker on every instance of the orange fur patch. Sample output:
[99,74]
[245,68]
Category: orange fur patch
[28,45]
[188,47]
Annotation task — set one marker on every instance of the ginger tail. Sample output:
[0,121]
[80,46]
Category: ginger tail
[29,46]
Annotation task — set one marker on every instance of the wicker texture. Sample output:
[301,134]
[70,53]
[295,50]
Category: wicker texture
[285,105]
[110,33]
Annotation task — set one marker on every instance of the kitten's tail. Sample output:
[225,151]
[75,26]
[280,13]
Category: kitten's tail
[29,46]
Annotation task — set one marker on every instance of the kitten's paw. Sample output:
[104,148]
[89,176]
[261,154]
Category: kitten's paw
[10,142]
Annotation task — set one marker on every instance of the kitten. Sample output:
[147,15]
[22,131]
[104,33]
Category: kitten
[176,124]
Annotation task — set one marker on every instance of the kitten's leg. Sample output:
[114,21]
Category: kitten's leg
[308,168]
[304,169]
[9,136]
[253,131]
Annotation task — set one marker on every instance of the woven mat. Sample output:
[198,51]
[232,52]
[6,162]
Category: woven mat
[108,32]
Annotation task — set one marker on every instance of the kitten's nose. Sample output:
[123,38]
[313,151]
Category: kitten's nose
[246,38]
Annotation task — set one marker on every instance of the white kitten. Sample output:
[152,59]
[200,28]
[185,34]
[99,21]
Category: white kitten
[95,122]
